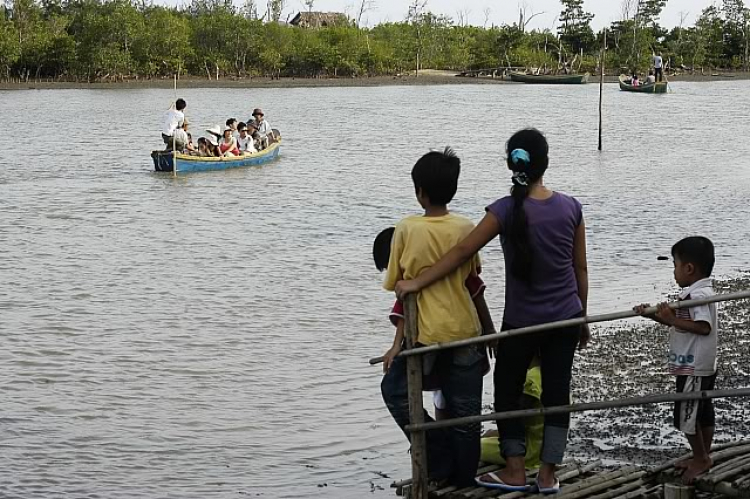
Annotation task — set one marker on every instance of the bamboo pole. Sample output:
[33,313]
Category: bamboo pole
[718,451]
[589,406]
[602,60]
[579,321]
[418,439]
[174,139]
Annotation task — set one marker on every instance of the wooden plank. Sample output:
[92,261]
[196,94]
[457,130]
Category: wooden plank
[419,488]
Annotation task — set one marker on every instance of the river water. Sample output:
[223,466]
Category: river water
[207,336]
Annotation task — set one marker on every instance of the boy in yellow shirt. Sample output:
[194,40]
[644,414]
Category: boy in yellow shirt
[446,313]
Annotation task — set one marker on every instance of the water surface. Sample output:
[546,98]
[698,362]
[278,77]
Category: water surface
[208,336]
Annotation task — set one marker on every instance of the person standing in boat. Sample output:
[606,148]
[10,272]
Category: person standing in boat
[658,67]
[173,120]
[543,236]
[264,128]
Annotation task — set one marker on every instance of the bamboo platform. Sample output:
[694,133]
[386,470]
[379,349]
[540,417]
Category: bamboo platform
[729,477]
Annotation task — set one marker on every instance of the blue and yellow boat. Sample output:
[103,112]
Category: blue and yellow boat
[165,161]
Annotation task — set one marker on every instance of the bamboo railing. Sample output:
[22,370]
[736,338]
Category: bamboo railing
[417,427]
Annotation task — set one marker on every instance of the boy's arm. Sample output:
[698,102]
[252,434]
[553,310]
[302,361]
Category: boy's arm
[666,315]
[580,267]
[395,349]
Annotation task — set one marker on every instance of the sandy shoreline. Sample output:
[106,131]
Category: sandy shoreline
[427,77]
[629,361]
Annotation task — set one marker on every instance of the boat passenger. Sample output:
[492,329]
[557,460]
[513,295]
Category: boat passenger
[213,146]
[180,139]
[264,128]
[258,142]
[232,123]
[173,120]
[215,131]
[203,150]
[634,81]
[228,146]
[245,142]
[650,79]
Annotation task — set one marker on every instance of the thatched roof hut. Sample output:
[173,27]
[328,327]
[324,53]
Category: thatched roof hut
[319,19]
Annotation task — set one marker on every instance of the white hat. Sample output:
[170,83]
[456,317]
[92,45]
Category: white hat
[215,130]
[212,139]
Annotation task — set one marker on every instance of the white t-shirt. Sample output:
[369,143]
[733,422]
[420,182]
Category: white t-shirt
[246,144]
[657,61]
[651,79]
[172,120]
[694,354]
[180,137]
[263,128]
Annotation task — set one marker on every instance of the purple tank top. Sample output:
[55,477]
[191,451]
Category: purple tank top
[553,292]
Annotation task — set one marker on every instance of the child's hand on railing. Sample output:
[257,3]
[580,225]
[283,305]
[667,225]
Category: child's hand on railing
[641,310]
[389,356]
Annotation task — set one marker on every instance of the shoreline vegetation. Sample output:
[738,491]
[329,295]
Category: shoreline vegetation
[83,43]
[426,77]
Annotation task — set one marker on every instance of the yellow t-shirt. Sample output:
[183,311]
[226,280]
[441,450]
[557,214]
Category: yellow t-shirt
[446,311]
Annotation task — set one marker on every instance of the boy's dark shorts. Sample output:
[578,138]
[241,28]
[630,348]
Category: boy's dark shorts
[690,414]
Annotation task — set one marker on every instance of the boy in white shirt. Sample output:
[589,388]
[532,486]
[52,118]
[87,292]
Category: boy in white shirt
[692,349]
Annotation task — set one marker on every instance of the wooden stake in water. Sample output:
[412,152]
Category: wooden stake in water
[174,139]
[602,60]
[416,410]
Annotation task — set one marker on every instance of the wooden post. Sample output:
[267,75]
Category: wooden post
[416,410]
[602,61]
[678,491]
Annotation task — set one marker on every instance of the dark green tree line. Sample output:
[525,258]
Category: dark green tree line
[90,40]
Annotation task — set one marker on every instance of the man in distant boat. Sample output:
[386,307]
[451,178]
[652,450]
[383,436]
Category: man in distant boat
[658,65]
[264,128]
[173,119]
[650,79]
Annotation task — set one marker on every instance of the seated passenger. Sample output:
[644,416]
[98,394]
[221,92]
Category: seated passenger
[228,146]
[202,149]
[245,142]
[213,146]
[634,81]
[651,78]
[232,123]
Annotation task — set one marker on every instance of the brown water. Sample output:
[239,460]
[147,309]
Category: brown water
[208,336]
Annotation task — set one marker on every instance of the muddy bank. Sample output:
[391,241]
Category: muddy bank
[629,360]
[427,77]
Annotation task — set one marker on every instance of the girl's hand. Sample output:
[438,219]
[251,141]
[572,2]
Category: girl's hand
[585,337]
[389,356]
[403,288]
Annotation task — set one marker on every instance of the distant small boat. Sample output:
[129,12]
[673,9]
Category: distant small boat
[554,79]
[660,87]
[164,160]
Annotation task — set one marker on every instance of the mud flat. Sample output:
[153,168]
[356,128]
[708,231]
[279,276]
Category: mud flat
[629,360]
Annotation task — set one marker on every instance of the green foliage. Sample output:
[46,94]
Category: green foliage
[110,39]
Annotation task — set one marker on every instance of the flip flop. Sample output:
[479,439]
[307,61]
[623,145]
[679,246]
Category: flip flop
[547,490]
[499,484]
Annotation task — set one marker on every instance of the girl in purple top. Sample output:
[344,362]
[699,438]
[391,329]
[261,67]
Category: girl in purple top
[543,236]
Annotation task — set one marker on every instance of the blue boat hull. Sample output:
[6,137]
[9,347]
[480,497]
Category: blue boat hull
[164,161]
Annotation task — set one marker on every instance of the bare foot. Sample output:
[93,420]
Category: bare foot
[681,465]
[696,468]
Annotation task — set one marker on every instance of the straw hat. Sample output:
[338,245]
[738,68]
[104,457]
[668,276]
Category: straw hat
[258,111]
